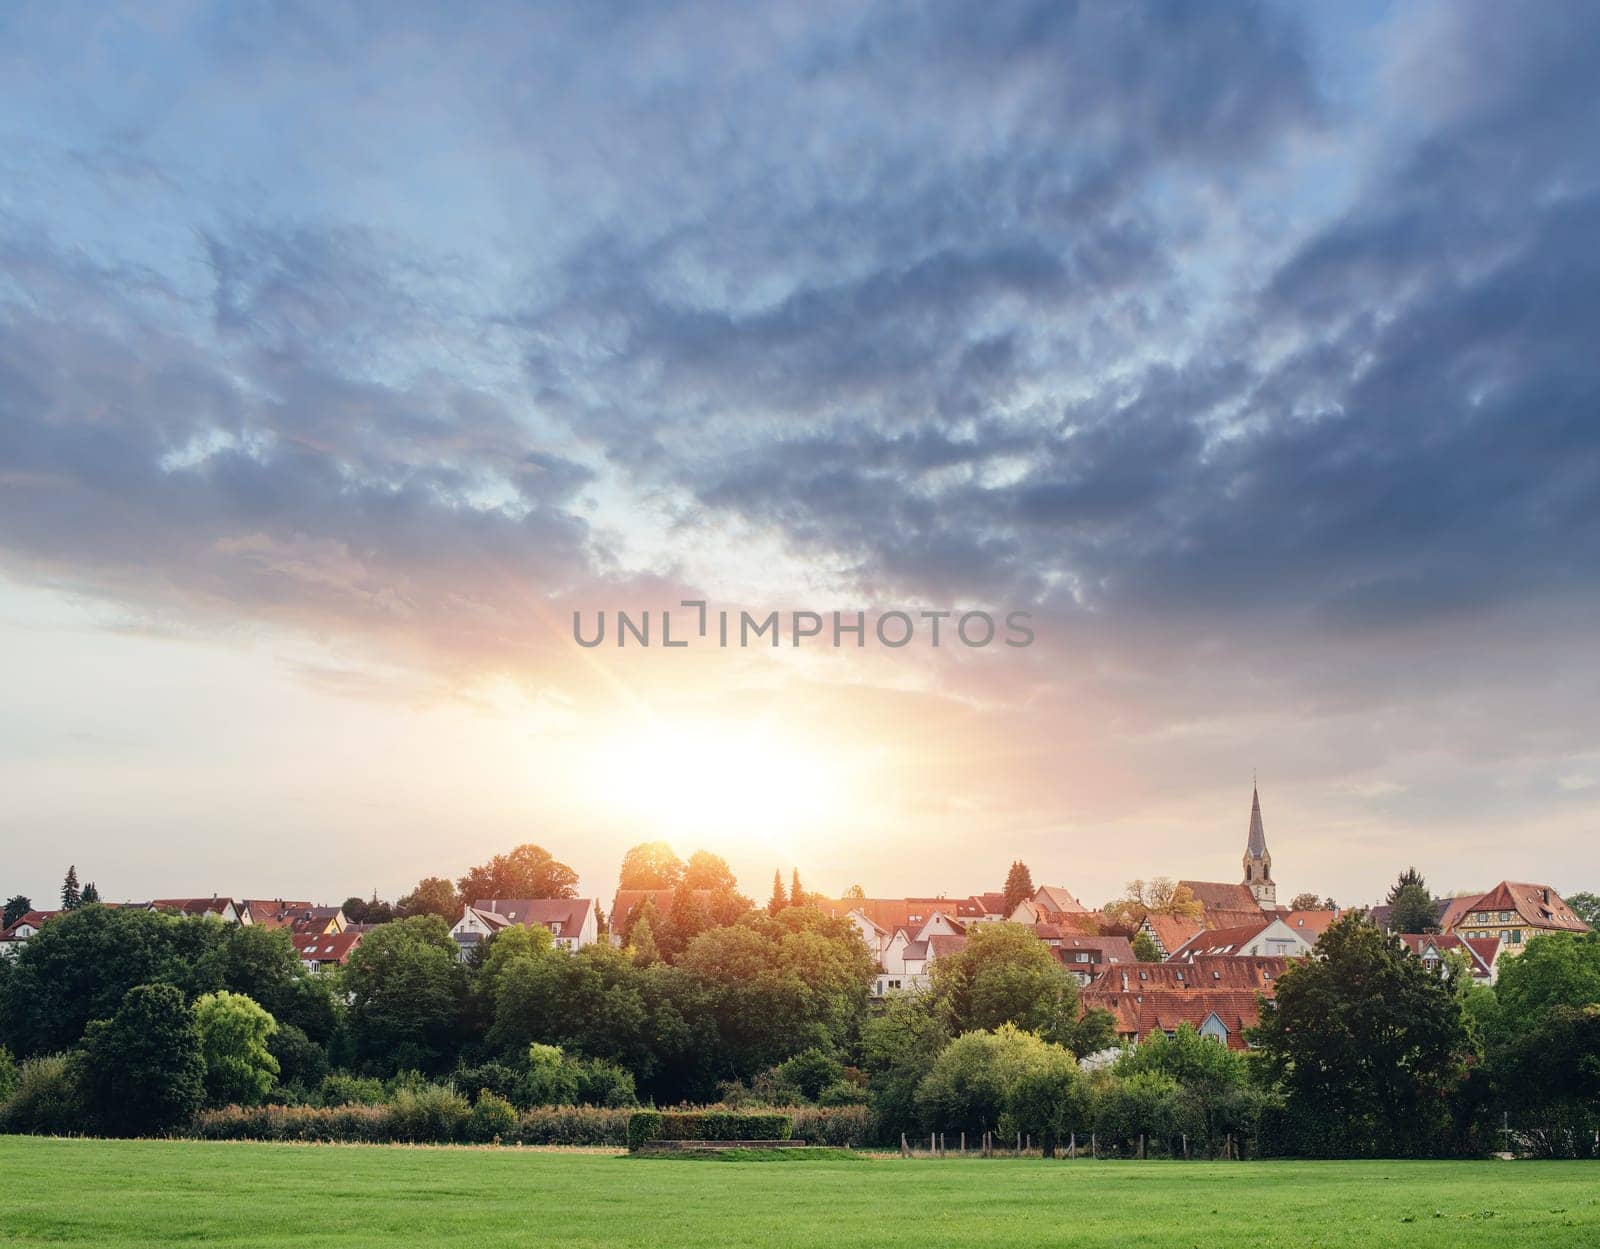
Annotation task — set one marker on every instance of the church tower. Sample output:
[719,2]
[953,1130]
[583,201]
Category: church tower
[1257,862]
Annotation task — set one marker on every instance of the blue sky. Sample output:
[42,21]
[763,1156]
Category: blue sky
[346,350]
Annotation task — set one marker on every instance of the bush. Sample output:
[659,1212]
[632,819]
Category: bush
[492,1118]
[496,1078]
[436,1114]
[835,1125]
[708,1125]
[340,1088]
[302,1063]
[47,1100]
[574,1125]
[809,1072]
[842,1093]
[8,1075]
[602,1083]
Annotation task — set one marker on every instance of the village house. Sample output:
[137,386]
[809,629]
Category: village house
[1270,937]
[223,908]
[12,939]
[320,951]
[1434,949]
[571,922]
[1514,912]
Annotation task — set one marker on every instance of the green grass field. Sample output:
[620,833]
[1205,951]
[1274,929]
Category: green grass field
[107,1193]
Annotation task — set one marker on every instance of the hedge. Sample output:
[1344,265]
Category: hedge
[708,1125]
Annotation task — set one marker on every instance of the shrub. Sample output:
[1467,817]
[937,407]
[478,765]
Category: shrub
[436,1114]
[496,1078]
[602,1083]
[47,1100]
[835,1125]
[708,1125]
[8,1074]
[492,1118]
[574,1125]
[842,1093]
[809,1072]
[340,1088]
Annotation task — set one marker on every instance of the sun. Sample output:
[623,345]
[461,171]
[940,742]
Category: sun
[740,782]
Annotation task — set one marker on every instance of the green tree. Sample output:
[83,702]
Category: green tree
[779,898]
[650,865]
[1019,886]
[686,920]
[1145,948]
[234,1036]
[809,1072]
[1307,902]
[898,1045]
[642,945]
[17,905]
[434,895]
[1004,974]
[1554,969]
[1046,1099]
[529,871]
[1366,1042]
[407,988]
[8,1075]
[1585,905]
[549,1078]
[71,898]
[1411,905]
[261,963]
[90,894]
[797,895]
[143,1072]
[970,1082]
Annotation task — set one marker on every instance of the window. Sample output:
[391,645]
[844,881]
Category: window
[1083,956]
[1505,917]
[1516,936]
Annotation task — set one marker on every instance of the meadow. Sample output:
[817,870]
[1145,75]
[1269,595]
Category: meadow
[112,1193]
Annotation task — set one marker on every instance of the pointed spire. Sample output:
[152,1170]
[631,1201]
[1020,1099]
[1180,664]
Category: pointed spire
[1257,845]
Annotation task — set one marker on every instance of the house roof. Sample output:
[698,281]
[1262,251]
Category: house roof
[1538,906]
[1139,1014]
[1171,931]
[1480,952]
[1057,900]
[1105,949]
[1258,973]
[327,947]
[1214,895]
[567,914]
[625,901]
[192,906]
[942,945]
[1310,924]
[1220,941]
[270,912]
[30,919]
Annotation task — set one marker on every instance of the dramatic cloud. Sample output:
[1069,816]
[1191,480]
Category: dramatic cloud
[1249,347]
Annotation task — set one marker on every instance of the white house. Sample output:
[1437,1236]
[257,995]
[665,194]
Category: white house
[572,922]
[1273,937]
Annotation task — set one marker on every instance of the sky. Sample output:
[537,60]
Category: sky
[347,351]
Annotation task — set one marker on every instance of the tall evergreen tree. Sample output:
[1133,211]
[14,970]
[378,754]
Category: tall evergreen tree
[90,894]
[779,899]
[1411,906]
[797,895]
[71,899]
[1019,885]
[17,906]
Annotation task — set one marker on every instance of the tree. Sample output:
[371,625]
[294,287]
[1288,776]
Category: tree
[855,894]
[650,865]
[1019,886]
[17,906]
[1006,975]
[642,947]
[1306,902]
[143,1072]
[974,1078]
[355,909]
[1159,896]
[1411,905]
[898,1046]
[797,895]
[407,988]
[71,899]
[709,871]
[1585,905]
[529,871]
[685,921]
[809,1072]
[90,894]
[434,895]
[1365,1043]
[779,899]
[234,1036]
[1554,969]
[1145,948]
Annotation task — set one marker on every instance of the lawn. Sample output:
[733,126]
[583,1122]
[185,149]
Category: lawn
[107,1193]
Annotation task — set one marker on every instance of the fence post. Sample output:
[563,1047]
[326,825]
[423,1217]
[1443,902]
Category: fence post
[1072,1146]
[933,1143]
[905,1149]
[963,1143]
[941,1144]
[1141,1146]
[1030,1142]
[1094,1146]
[1019,1144]
[1186,1147]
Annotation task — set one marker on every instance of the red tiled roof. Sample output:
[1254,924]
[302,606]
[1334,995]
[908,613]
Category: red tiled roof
[191,906]
[941,945]
[1141,1013]
[328,947]
[1172,931]
[1481,959]
[1311,924]
[1217,896]
[1255,972]
[1538,906]
[1223,941]
[31,918]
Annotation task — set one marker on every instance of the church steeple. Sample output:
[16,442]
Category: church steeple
[1257,861]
